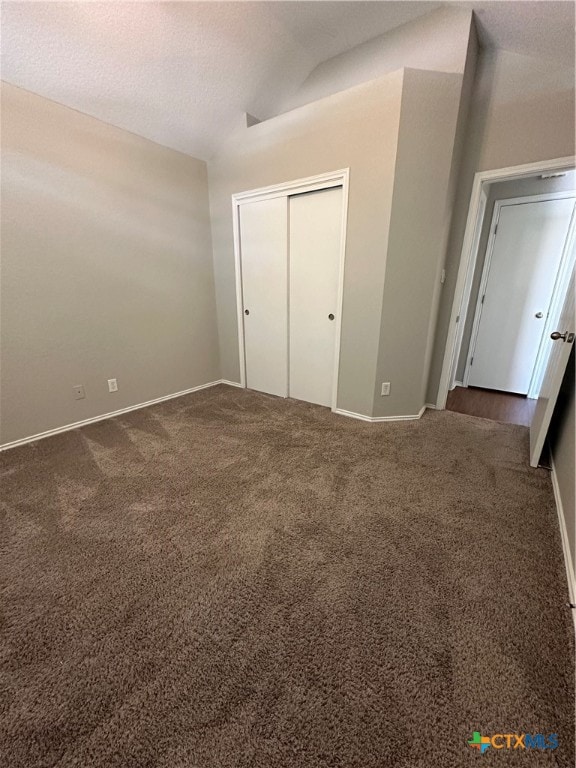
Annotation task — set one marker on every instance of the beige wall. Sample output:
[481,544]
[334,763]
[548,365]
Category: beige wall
[418,227]
[106,268]
[356,129]
[522,111]
[527,111]
[562,439]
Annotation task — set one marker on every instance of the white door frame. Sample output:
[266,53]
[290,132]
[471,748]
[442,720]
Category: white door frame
[469,255]
[558,292]
[311,184]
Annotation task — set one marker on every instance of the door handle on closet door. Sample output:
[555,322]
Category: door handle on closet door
[330,316]
[246,311]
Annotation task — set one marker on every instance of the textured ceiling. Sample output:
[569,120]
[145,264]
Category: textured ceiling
[180,73]
[183,73]
[544,29]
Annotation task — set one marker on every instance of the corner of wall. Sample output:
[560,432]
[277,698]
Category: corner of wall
[425,166]
[461,185]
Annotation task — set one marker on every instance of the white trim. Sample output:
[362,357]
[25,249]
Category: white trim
[481,291]
[340,178]
[239,297]
[295,187]
[377,419]
[110,415]
[462,291]
[540,198]
[340,295]
[430,406]
[352,415]
[457,384]
[156,401]
[564,536]
[469,253]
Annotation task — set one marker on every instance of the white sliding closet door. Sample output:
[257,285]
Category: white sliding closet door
[315,234]
[264,254]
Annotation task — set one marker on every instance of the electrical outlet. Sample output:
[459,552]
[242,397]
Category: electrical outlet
[112,385]
[79,393]
[385,388]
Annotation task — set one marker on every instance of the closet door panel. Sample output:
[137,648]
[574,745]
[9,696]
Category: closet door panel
[314,237]
[264,260]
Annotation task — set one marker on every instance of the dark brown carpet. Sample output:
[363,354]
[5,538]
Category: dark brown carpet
[231,579]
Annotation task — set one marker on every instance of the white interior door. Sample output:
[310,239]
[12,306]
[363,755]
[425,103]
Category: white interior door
[315,235]
[264,259]
[517,290]
[555,370]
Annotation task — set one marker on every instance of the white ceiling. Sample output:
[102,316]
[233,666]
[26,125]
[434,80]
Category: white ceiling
[182,73]
[541,28]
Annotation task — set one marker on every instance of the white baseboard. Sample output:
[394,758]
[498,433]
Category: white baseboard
[564,536]
[111,415]
[351,414]
[377,419]
[459,384]
[121,411]
[430,406]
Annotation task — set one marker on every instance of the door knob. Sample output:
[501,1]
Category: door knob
[556,336]
[539,315]
[330,316]
[246,311]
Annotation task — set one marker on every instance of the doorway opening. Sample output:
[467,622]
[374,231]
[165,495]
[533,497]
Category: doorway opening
[518,255]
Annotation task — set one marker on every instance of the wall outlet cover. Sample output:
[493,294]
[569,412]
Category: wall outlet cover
[79,393]
[112,385]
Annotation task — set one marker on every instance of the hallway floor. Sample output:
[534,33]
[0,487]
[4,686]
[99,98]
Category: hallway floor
[491,404]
